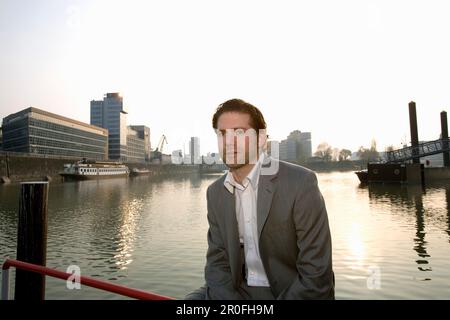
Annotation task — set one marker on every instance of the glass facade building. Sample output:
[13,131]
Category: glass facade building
[135,146]
[144,133]
[110,114]
[297,146]
[194,150]
[33,130]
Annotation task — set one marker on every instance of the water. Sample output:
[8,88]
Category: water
[389,241]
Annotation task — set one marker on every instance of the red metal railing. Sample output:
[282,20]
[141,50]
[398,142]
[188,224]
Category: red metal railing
[91,282]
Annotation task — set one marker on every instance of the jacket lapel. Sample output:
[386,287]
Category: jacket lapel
[229,209]
[228,205]
[266,189]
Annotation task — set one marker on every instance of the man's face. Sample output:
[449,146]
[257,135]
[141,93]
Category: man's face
[237,140]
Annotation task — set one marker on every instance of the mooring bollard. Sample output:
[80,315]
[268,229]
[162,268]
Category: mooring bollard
[32,239]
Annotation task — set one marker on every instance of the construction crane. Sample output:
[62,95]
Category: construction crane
[157,153]
[161,144]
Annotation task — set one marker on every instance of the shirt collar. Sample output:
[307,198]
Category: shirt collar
[252,177]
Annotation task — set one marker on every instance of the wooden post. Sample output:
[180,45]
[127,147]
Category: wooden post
[444,137]
[32,239]
[7,165]
[414,132]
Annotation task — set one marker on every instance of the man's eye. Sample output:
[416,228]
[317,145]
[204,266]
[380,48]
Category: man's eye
[239,132]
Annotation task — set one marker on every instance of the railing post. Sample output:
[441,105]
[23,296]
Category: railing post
[32,239]
[5,284]
[7,165]
[444,138]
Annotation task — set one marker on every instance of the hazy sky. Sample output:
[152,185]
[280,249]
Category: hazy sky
[344,70]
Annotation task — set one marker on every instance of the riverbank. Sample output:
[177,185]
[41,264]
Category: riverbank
[332,166]
[17,167]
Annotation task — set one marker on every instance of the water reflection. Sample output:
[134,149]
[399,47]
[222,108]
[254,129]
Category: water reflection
[420,243]
[151,234]
[406,199]
[443,190]
[356,247]
[447,198]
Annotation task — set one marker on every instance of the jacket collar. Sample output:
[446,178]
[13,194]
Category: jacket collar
[252,177]
[266,190]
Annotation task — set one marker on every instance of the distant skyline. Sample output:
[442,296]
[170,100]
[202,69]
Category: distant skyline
[343,70]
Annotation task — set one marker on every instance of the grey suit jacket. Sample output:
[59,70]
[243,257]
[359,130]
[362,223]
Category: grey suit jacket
[294,238]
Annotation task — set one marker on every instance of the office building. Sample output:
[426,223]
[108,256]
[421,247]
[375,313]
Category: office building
[110,114]
[135,146]
[144,133]
[194,150]
[297,147]
[33,130]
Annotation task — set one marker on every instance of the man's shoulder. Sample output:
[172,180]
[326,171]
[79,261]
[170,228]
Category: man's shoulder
[218,183]
[296,178]
[292,170]
[286,171]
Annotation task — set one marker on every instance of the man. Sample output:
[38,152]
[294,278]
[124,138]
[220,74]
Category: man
[268,234]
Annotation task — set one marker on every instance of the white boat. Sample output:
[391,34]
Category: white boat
[139,172]
[84,170]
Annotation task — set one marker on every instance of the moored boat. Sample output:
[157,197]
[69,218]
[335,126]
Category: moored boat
[139,172]
[84,170]
[362,175]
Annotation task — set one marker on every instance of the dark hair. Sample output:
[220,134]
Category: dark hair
[238,105]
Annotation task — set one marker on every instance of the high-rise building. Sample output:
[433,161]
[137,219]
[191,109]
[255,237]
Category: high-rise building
[135,146]
[144,133]
[305,145]
[297,146]
[33,130]
[110,113]
[288,150]
[194,150]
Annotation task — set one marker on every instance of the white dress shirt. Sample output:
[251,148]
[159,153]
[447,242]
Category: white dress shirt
[246,214]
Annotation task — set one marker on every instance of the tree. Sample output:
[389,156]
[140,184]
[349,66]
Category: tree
[335,154]
[369,155]
[324,151]
[363,153]
[345,154]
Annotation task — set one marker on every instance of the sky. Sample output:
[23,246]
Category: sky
[343,70]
